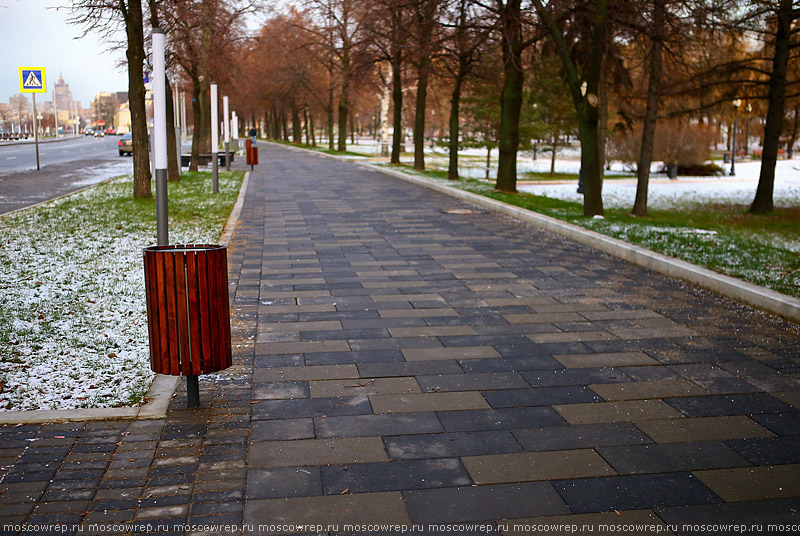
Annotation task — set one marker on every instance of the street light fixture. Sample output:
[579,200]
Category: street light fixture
[736,103]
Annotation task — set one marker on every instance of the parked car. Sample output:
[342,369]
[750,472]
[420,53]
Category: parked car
[111,131]
[125,144]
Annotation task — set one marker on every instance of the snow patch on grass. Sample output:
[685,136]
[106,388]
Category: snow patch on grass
[73,324]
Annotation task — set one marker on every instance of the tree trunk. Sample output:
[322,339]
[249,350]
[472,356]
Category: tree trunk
[344,103]
[553,157]
[763,201]
[397,103]
[311,129]
[198,123]
[651,112]
[308,128]
[173,172]
[297,130]
[510,98]
[455,123]
[136,95]
[419,116]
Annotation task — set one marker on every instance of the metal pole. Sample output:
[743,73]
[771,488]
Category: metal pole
[36,130]
[160,136]
[733,151]
[214,138]
[226,124]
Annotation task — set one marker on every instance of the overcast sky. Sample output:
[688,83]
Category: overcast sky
[32,35]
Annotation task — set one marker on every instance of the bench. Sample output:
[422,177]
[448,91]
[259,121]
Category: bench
[205,159]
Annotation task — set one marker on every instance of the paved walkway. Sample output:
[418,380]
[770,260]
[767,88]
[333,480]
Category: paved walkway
[396,364]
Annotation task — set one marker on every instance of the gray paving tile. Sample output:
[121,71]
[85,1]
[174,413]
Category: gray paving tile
[472,382]
[484,503]
[634,492]
[394,476]
[580,436]
[672,457]
[541,396]
[283,482]
[377,425]
[446,445]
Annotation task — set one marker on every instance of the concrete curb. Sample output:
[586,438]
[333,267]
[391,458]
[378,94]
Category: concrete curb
[761,298]
[162,388]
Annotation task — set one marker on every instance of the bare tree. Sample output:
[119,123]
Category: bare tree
[111,15]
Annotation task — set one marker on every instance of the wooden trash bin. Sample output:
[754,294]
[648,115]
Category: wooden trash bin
[188,314]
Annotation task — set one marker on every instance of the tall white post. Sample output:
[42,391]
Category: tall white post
[160,136]
[184,131]
[226,126]
[214,137]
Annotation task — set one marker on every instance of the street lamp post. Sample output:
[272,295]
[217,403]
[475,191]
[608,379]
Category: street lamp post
[748,108]
[736,103]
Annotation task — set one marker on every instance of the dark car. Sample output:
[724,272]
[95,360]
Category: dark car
[125,144]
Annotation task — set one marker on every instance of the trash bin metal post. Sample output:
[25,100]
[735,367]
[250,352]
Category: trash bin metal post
[226,127]
[214,138]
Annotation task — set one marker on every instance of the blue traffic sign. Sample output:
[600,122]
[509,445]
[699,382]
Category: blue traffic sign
[32,80]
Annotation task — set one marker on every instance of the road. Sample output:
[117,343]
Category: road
[22,156]
[66,166]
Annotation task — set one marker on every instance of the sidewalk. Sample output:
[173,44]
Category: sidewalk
[396,364]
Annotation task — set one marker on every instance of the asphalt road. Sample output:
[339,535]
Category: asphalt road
[22,156]
[66,166]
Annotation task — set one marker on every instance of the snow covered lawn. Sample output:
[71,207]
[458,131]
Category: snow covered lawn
[686,191]
[73,326]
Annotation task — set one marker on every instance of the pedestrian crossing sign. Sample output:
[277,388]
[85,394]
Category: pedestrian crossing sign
[32,80]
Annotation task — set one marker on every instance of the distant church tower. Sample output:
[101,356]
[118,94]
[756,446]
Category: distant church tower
[67,108]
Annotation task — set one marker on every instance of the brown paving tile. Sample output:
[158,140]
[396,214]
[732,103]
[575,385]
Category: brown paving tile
[304,452]
[628,411]
[792,398]
[703,429]
[315,372]
[648,390]
[413,403]
[456,352]
[531,466]
[624,314]
[363,386]
[654,333]
[536,318]
[619,359]
[753,483]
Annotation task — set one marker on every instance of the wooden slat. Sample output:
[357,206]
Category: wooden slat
[163,321]
[182,314]
[152,311]
[172,335]
[204,310]
[225,310]
[213,310]
[194,313]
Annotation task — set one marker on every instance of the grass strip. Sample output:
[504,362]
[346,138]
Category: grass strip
[73,326]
